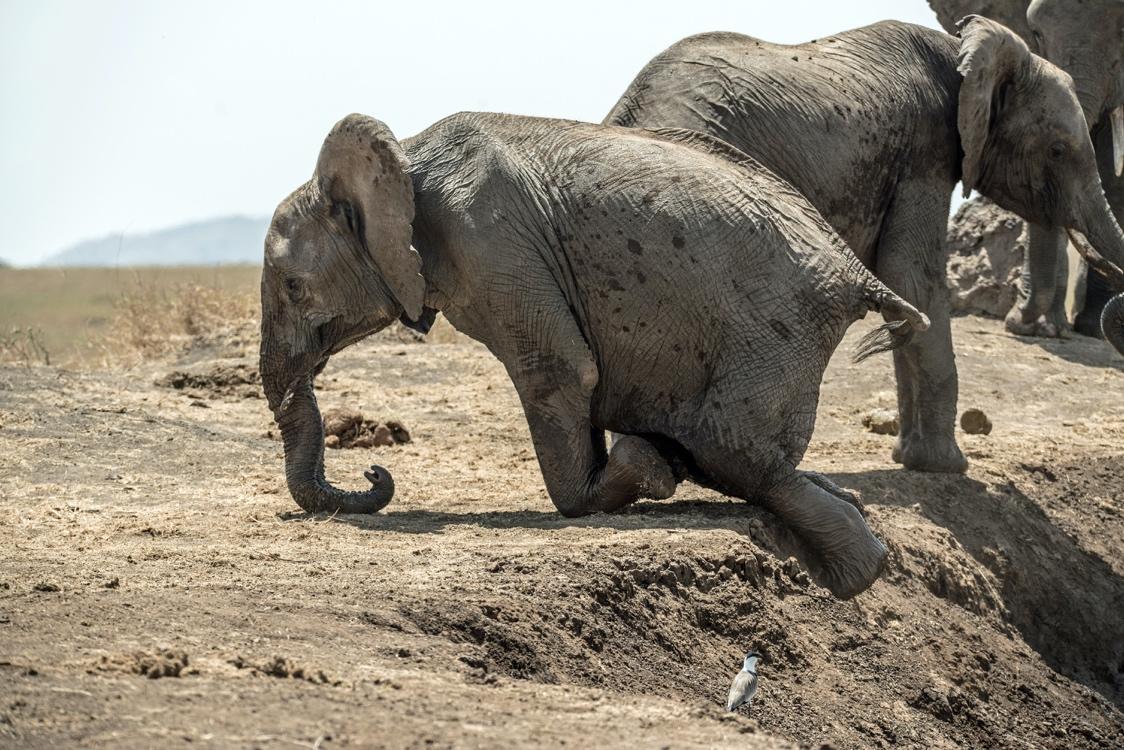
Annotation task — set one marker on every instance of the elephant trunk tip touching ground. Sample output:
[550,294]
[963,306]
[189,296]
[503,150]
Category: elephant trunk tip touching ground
[302,434]
[1112,316]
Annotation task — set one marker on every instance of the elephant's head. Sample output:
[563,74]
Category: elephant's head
[1086,39]
[338,267]
[1025,140]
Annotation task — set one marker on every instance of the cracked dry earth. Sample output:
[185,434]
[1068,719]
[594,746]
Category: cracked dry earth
[158,587]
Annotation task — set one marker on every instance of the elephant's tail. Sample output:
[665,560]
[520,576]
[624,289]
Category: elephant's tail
[894,334]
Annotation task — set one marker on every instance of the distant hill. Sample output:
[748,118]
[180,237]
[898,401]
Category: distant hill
[230,239]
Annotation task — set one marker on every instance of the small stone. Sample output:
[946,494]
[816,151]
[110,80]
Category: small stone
[882,422]
[332,441]
[975,422]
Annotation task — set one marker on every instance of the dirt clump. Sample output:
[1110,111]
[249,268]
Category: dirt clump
[279,666]
[882,421]
[975,422]
[348,428]
[153,665]
[215,379]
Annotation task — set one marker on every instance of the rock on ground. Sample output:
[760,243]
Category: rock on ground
[986,247]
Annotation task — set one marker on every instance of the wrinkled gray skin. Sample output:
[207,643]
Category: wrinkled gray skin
[584,257]
[1085,38]
[875,126]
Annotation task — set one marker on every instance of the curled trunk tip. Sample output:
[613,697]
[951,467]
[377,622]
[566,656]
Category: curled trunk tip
[302,433]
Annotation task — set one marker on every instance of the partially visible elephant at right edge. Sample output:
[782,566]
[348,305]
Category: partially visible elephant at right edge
[1085,38]
[875,126]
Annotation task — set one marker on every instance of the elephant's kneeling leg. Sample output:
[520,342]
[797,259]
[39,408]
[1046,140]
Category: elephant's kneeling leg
[636,469]
[850,557]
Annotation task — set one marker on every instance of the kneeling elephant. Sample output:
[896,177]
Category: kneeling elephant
[659,284]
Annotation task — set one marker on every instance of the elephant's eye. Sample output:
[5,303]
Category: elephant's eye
[293,287]
[1058,150]
[345,209]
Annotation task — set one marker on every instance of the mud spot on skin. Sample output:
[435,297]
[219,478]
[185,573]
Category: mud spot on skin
[635,247]
[678,242]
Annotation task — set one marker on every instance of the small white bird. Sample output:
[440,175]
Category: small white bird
[745,682]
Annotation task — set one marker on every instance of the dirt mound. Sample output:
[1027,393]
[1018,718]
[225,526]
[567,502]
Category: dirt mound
[154,665]
[215,379]
[986,247]
[690,610]
[348,428]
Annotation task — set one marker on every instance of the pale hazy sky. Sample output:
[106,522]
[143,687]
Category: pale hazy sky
[132,116]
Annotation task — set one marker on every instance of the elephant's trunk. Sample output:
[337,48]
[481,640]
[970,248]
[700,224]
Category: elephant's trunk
[1101,228]
[302,433]
[1112,322]
[1112,317]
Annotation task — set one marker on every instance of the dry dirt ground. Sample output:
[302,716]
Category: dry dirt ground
[159,588]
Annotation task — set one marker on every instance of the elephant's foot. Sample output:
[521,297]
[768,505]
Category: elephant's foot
[635,468]
[847,557]
[1088,323]
[939,454]
[846,496]
[1050,326]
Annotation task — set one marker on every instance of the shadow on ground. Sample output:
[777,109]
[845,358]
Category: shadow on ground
[1064,600]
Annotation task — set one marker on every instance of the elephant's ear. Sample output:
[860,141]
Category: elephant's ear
[1010,13]
[991,56]
[362,166]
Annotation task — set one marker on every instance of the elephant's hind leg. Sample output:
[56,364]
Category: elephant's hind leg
[850,557]
[844,555]
[911,261]
[555,376]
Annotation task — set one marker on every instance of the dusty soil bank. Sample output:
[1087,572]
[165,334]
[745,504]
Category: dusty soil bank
[159,587]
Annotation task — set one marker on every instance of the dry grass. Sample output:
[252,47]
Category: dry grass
[153,321]
[103,317]
[24,346]
[87,317]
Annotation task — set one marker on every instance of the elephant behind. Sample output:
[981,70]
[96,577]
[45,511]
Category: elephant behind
[875,126]
[587,259]
[1085,38]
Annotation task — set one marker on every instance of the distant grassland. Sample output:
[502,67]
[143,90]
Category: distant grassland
[81,315]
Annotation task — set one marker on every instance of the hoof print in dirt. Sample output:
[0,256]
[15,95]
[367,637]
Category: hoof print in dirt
[347,428]
[975,422]
[882,422]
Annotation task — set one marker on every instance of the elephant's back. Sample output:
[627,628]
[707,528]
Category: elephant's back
[838,117]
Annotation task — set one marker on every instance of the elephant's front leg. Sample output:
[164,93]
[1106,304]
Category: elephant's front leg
[1040,309]
[911,262]
[555,376]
